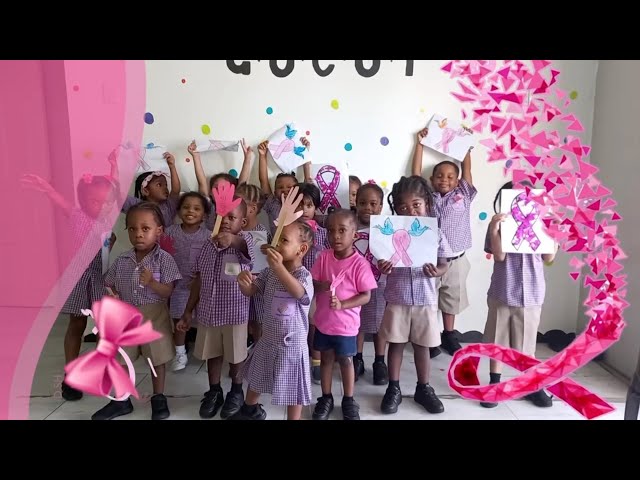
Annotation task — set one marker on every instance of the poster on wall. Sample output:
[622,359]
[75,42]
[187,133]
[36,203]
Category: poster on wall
[449,138]
[286,149]
[218,145]
[151,159]
[333,182]
[523,230]
[404,241]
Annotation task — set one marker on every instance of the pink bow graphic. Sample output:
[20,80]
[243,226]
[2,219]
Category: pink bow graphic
[314,225]
[368,255]
[329,198]
[98,372]
[525,222]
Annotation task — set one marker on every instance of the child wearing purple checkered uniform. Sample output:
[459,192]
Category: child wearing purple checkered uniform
[152,187]
[188,239]
[452,204]
[279,363]
[411,314]
[222,311]
[215,180]
[145,277]
[368,202]
[515,299]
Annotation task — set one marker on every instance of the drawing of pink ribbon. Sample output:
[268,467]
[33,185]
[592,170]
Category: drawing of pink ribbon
[368,256]
[401,241]
[329,198]
[525,222]
[287,145]
[448,134]
[98,372]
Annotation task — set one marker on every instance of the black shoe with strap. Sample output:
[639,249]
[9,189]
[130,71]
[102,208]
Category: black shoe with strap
[540,399]
[350,409]
[232,404]
[70,393]
[113,409]
[323,409]
[250,412]
[358,367]
[450,343]
[426,396]
[159,407]
[211,403]
[391,400]
[380,373]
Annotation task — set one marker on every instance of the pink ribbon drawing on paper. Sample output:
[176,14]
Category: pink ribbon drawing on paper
[401,240]
[329,190]
[368,255]
[449,135]
[287,145]
[525,222]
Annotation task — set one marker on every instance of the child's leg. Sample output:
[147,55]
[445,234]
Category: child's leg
[423,363]
[380,345]
[250,409]
[158,382]
[214,369]
[179,339]
[234,339]
[425,394]
[214,397]
[380,371]
[315,354]
[325,404]
[294,412]
[73,337]
[633,396]
[358,361]
[328,358]
[452,300]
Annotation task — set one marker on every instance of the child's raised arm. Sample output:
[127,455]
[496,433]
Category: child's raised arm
[197,165]
[307,166]
[416,165]
[175,179]
[39,184]
[290,283]
[263,172]
[495,238]
[247,163]
[466,168]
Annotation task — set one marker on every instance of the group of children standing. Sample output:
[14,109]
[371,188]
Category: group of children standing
[318,297]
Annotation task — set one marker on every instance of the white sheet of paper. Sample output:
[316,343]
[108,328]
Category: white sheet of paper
[151,159]
[217,145]
[106,240]
[286,149]
[449,138]
[232,269]
[333,182]
[260,262]
[517,239]
[404,241]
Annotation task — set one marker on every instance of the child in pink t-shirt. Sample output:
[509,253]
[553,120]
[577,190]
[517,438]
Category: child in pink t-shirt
[338,311]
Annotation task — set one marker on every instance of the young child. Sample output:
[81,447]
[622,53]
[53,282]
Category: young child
[411,314]
[96,197]
[515,299]
[284,182]
[222,310]
[338,310]
[210,219]
[152,187]
[144,277]
[452,204]
[279,363]
[369,202]
[354,186]
[188,239]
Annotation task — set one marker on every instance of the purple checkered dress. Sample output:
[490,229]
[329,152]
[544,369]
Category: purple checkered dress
[279,363]
[410,286]
[221,302]
[187,249]
[256,303]
[321,243]
[272,208]
[210,220]
[90,286]
[371,314]
[124,276]
[454,216]
[168,208]
[519,280]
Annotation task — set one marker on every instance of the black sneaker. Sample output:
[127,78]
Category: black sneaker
[450,343]
[540,399]
[489,404]
[380,373]
[426,396]
[434,352]
[350,409]
[255,412]
[90,338]
[323,409]
[315,375]
[232,404]
[113,409]
[358,366]
[211,403]
[159,407]
[392,398]
[70,393]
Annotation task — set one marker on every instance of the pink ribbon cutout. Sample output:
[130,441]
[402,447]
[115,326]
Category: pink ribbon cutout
[368,255]
[329,198]
[401,241]
[98,372]
[525,222]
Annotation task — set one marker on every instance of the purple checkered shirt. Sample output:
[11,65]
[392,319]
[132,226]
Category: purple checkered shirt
[124,276]
[321,243]
[221,302]
[272,208]
[168,208]
[518,281]
[454,216]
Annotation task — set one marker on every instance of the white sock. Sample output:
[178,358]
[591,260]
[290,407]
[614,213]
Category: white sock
[180,350]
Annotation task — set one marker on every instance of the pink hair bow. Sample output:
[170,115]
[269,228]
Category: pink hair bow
[313,224]
[98,372]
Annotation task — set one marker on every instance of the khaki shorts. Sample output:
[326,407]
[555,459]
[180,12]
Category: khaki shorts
[407,323]
[227,341]
[162,350]
[514,327]
[452,287]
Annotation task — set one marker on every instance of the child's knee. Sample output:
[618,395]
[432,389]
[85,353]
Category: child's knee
[345,361]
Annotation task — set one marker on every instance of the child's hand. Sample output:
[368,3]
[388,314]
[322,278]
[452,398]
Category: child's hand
[264,248]
[274,259]
[112,241]
[171,160]
[245,279]
[185,322]
[248,151]
[37,183]
[422,134]
[112,293]
[430,270]
[146,277]
[494,226]
[224,239]
[335,304]
[385,267]
[192,148]
[263,147]
[306,143]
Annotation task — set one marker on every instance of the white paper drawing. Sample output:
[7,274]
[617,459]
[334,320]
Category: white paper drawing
[260,260]
[217,145]
[151,159]
[523,229]
[333,182]
[286,149]
[404,241]
[448,137]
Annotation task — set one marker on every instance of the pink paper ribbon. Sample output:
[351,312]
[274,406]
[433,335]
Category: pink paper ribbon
[401,241]
[525,222]
[329,198]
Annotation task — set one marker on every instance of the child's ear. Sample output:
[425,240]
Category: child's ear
[244,222]
[304,248]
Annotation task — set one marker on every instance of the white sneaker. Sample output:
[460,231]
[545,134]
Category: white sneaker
[179,362]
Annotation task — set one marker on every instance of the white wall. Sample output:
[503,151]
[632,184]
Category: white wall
[616,144]
[389,104]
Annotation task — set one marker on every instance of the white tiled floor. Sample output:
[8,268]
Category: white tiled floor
[185,390]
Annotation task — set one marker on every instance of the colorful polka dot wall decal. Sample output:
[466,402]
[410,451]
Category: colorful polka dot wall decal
[269,110]
[233,172]
[187,160]
[206,129]
[422,110]
[148,118]
[573,95]
[88,154]
[383,184]
[348,147]
[184,80]
[76,88]
[488,256]
[384,141]
[335,104]
[308,133]
[509,163]
[483,215]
